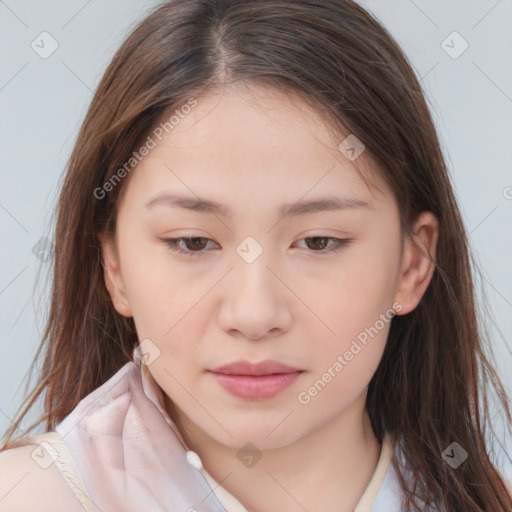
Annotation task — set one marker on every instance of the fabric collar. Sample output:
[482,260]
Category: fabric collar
[131,456]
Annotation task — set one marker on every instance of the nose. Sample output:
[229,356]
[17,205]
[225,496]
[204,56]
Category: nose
[255,302]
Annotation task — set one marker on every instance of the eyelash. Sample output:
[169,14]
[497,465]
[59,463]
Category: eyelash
[172,243]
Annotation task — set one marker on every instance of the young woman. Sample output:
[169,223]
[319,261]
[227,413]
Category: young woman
[262,294]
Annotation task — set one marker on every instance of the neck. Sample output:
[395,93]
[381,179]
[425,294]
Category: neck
[327,469]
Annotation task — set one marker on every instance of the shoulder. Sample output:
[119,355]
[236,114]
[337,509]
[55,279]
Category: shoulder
[30,481]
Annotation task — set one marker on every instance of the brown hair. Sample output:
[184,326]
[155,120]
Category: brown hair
[426,389]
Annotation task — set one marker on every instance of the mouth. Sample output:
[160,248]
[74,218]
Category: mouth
[255,381]
[267,367]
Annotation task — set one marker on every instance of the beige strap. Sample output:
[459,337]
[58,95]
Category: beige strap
[369,496]
[59,451]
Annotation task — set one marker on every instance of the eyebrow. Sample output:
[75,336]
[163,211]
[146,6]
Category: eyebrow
[202,205]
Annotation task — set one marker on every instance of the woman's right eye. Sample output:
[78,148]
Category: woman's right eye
[193,245]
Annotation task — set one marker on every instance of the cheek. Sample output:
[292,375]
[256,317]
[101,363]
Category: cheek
[361,289]
[343,364]
[151,289]
[166,304]
[355,304]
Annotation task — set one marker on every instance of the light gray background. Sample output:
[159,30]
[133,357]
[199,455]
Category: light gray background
[43,101]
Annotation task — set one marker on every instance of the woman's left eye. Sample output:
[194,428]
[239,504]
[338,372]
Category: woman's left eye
[195,245]
[337,243]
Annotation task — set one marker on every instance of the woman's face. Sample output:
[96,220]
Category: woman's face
[255,284]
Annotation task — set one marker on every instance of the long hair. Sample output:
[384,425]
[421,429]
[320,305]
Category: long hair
[426,390]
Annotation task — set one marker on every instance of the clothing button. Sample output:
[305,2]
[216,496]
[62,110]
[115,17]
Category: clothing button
[194,460]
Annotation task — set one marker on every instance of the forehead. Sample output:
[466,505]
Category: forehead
[255,141]
[253,121]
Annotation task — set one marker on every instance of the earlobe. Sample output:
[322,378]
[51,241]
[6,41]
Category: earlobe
[418,262]
[112,276]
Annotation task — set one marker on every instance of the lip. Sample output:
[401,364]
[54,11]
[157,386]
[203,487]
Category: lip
[266,367]
[255,381]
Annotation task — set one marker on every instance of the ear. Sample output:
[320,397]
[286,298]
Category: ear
[418,262]
[113,277]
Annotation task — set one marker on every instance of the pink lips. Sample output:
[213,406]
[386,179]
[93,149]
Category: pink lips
[255,381]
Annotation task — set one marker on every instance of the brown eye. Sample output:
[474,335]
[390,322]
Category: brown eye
[191,246]
[319,242]
[196,243]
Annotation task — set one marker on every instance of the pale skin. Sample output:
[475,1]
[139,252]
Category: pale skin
[253,151]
